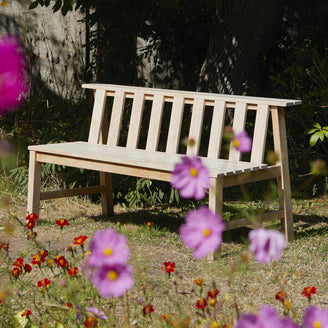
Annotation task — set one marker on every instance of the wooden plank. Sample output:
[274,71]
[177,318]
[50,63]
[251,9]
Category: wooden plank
[173,137]
[260,133]
[116,119]
[107,203]
[155,122]
[196,125]
[239,120]
[97,116]
[71,192]
[34,184]
[255,220]
[217,126]
[135,120]
[193,94]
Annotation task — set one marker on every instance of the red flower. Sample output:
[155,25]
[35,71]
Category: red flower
[80,240]
[309,291]
[73,271]
[19,262]
[31,235]
[90,322]
[4,246]
[32,217]
[62,223]
[30,225]
[212,293]
[68,304]
[201,304]
[26,313]
[61,261]
[27,268]
[43,254]
[147,309]
[16,272]
[44,283]
[168,267]
[36,259]
[280,296]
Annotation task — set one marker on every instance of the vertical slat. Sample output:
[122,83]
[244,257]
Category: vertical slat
[116,119]
[97,116]
[135,120]
[173,137]
[196,125]
[155,123]
[238,126]
[259,136]
[217,126]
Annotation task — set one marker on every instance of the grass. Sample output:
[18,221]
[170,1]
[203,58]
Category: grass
[244,285]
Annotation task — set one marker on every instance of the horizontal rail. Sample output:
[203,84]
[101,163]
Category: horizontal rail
[71,192]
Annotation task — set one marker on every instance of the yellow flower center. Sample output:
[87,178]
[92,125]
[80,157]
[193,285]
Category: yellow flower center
[112,275]
[207,232]
[236,142]
[316,324]
[108,251]
[193,172]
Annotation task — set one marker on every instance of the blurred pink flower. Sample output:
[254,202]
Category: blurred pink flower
[191,178]
[14,84]
[242,142]
[108,247]
[315,317]
[113,280]
[202,231]
[267,245]
[267,317]
[97,312]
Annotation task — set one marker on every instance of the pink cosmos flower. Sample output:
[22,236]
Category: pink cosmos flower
[242,142]
[315,317]
[108,247]
[202,231]
[267,317]
[191,178]
[267,245]
[113,280]
[97,312]
[14,84]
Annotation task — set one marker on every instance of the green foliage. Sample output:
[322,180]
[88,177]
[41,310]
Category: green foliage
[318,133]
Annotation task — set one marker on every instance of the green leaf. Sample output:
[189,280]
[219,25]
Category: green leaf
[317,125]
[311,131]
[33,4]
[314,138]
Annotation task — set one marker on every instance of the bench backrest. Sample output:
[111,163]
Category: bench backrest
[202,115]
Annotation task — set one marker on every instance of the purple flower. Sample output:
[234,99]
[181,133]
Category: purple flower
[13,74]
[242,142]
[113,280]
[267,245]
[315,318]
[267,317]
[98,313]
[202,231]
[191,178]
[78,314]
[108,247]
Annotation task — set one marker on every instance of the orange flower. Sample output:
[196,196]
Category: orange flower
[4,246]
[73,271]
[147,309]
[80,240]
[280,296]
[309,291]
[212,293]
[26,313]
[16,272]
[36,259]
[90,322]
[62,223]
[43,254]
[44,283]
[32,217]
[201,304]
[149,224]
[61,261]
[68,304]
[30,225]
[19,262]
[199,282]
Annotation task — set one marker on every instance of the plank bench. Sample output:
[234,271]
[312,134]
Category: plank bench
[184,112]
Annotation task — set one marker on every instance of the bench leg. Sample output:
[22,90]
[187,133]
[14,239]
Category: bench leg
[215,203]
[107,195]
[280,146]
[34,183]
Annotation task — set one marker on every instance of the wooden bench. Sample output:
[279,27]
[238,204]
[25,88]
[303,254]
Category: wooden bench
[107,153]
